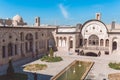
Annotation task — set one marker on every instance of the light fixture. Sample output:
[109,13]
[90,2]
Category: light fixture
[79,64]
[74,70]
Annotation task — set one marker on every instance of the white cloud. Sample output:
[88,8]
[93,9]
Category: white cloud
[63,11]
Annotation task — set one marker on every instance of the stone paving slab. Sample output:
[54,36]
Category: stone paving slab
[53,68]
[100,68]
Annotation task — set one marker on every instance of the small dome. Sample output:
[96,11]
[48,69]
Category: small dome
[18,18]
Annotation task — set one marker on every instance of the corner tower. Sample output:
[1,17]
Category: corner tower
[37,21]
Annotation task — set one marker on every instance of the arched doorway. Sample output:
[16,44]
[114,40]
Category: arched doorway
[91,54]
[60,42]
[93,40]
[51,43]
[85,41]
[29,42]
[22,36]
[114,45]
[107,43]
[70,42]
[10,49]
[101,42]
[64,42]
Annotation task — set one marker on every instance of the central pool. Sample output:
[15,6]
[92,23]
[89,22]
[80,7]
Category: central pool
[77,70]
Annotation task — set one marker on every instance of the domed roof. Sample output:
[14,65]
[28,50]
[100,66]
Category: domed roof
[18,18]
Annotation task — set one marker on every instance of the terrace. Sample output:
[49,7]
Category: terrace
[54,68]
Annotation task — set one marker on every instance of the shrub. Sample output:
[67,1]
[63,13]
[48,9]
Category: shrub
[51,59]
[51,52]
[114,66]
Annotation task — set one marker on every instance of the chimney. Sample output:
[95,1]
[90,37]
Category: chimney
[79,27]
[113,25]
[37,21]
[98,16]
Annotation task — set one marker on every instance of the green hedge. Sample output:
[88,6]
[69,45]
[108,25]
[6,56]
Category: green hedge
[51,59]
[15,76]
[115,66]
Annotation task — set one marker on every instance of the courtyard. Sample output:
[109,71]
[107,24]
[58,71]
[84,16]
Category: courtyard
[99,71]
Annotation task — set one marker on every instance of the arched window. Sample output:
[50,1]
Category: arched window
[93,40]
[22,36]
[3,52]
[29,43]
[107,43]
[70,42]
[114,45]
[85,41]
[101,42]
[40,44]
[29,36]
[36,35]
[16,51]
[64,38]
[10,49]
[26,46]
[81,42]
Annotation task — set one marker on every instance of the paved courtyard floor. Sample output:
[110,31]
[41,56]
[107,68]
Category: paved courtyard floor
[100,69]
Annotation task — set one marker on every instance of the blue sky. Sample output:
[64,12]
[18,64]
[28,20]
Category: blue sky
[63,12]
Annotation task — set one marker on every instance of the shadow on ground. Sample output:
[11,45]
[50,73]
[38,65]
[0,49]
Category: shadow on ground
[39,76]
[18,66]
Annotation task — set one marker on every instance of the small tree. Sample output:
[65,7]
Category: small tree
[51,52]
[10,69]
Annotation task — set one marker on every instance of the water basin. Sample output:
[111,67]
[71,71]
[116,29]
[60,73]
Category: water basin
[77,70]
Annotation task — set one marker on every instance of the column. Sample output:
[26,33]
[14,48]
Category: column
[74,43]
[63,42]
[19,49]
[87,42]
[46,44]
[110,45]
[104,42]
[56,41]
[34,47]
[99,43]
[68,43]
[23,48]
